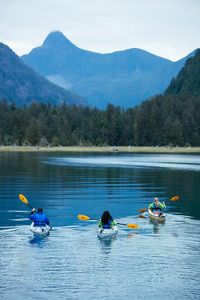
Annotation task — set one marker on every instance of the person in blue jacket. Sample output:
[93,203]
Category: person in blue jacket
[39,218]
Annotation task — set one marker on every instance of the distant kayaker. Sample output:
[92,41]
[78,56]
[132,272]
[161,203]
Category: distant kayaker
[157,206]
[39,218]
[107,220]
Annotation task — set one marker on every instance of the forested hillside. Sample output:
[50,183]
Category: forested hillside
[169,119]
[21,85]
[173,118]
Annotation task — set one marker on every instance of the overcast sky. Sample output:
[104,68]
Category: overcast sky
[168,28]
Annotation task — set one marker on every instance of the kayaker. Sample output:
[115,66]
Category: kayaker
[39,218]
[157,206]
[106,220]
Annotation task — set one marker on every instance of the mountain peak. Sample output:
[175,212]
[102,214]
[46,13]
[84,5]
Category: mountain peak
[57,38]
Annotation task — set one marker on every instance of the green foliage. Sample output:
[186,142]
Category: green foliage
[164,120]
[188,80]
[44,124]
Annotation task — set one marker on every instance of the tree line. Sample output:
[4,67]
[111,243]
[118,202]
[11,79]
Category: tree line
[164,120]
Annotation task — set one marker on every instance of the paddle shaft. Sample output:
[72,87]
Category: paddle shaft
[122,224]
[29,205]
[92,219]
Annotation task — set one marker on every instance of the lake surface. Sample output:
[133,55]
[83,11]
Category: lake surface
[156,261]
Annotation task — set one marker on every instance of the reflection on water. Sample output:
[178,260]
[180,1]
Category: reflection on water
[106,245]
[38,240]
[156,225]
[72,263]
[66,190]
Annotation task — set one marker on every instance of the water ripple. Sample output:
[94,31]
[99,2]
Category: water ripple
[175,161]
[72,263]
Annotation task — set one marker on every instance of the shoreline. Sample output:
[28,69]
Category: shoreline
[120,149]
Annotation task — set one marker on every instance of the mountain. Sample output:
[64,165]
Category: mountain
[174,117]
[187,81]
[124,78]
[22,85]
[171,119]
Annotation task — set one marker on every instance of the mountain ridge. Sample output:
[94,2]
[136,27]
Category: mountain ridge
[21,85]
[125,77]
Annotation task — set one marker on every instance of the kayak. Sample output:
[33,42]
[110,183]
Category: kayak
[156,216]
[110,233]
[40,230]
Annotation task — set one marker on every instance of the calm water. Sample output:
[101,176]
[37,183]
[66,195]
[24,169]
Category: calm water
[157,261]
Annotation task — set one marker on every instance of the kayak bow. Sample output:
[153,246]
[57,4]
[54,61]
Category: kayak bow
[156,216]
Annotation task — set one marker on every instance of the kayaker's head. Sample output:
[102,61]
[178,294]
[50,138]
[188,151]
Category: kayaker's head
[105,216]
[156,201]
[40,210]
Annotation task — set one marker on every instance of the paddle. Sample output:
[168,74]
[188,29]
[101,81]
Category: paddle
[173,199]
[86,218]
[25,200]
[142,217]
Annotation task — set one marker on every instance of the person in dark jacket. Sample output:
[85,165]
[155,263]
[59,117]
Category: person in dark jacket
[39,218]
[107,220]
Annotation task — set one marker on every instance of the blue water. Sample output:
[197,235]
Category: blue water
[156,261]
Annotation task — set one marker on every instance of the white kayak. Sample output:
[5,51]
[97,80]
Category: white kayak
[104,233]
[40,230]
[158,216]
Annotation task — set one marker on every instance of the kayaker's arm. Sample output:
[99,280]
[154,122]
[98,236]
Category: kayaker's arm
[48,223]
[113,223]
[33,211]
[162,205]
[32,216]
[100,223]
[151,206]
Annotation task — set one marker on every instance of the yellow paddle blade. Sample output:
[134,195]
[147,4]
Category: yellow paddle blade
[142,210]
[175,198]
[83,217]
[23,198]
[133,226]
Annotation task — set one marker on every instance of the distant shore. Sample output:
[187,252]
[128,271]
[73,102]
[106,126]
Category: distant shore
[120,149]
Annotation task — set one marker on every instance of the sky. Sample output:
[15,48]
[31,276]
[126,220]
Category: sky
[167,28]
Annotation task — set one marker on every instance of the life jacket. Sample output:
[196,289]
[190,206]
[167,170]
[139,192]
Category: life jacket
[157,208]
[107,225]
[39,219]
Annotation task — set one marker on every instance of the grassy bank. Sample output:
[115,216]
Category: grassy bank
[120,149]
